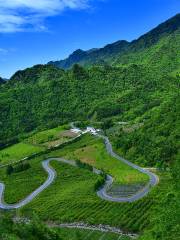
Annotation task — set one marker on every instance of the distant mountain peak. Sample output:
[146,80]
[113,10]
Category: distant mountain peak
[77,55]
[92,50]
[91,56]
[78,51]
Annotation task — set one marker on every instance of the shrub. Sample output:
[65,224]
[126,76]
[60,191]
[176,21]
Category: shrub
[9,170]
[100,182]
[22,167]
[84,165]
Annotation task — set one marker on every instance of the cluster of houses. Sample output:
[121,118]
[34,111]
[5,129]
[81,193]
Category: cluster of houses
[91,130]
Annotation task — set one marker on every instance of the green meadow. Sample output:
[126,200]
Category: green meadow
[47,135]
[18,152]
[36,143]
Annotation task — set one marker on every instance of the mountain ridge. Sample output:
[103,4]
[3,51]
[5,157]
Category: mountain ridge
[80,55]
[119,48]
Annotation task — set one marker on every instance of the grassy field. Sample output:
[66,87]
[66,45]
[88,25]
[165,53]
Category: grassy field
[92,151]
[36,143]
[76,234]
[48,136]
[17,152]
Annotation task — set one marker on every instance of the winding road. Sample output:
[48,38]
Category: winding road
[153,178]
[102,193]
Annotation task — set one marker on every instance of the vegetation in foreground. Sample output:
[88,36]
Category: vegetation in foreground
[35,230]
[73,185]
[72,198]
[164,222]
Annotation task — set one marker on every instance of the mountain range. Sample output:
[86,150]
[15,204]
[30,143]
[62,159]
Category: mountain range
[122,48]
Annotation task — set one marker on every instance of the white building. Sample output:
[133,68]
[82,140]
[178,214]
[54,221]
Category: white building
[76,130]
[91,130]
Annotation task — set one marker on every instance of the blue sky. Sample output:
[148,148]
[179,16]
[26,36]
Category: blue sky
[37,31]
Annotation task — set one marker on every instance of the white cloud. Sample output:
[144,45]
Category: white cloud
[6,51]
[3,51]
[23,15]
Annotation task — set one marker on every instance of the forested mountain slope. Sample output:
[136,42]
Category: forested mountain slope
[163,56]
[139,87]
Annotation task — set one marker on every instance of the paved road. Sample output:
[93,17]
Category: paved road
[51,176]
[102,193]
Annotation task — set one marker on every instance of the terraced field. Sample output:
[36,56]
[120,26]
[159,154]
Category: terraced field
[19,185]
[125,190]
[72,198]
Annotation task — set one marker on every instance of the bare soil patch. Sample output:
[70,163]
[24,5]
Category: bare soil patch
[85,154]
[67,133]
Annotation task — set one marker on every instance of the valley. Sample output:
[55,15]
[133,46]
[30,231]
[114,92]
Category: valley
[102,191]
[60,180]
